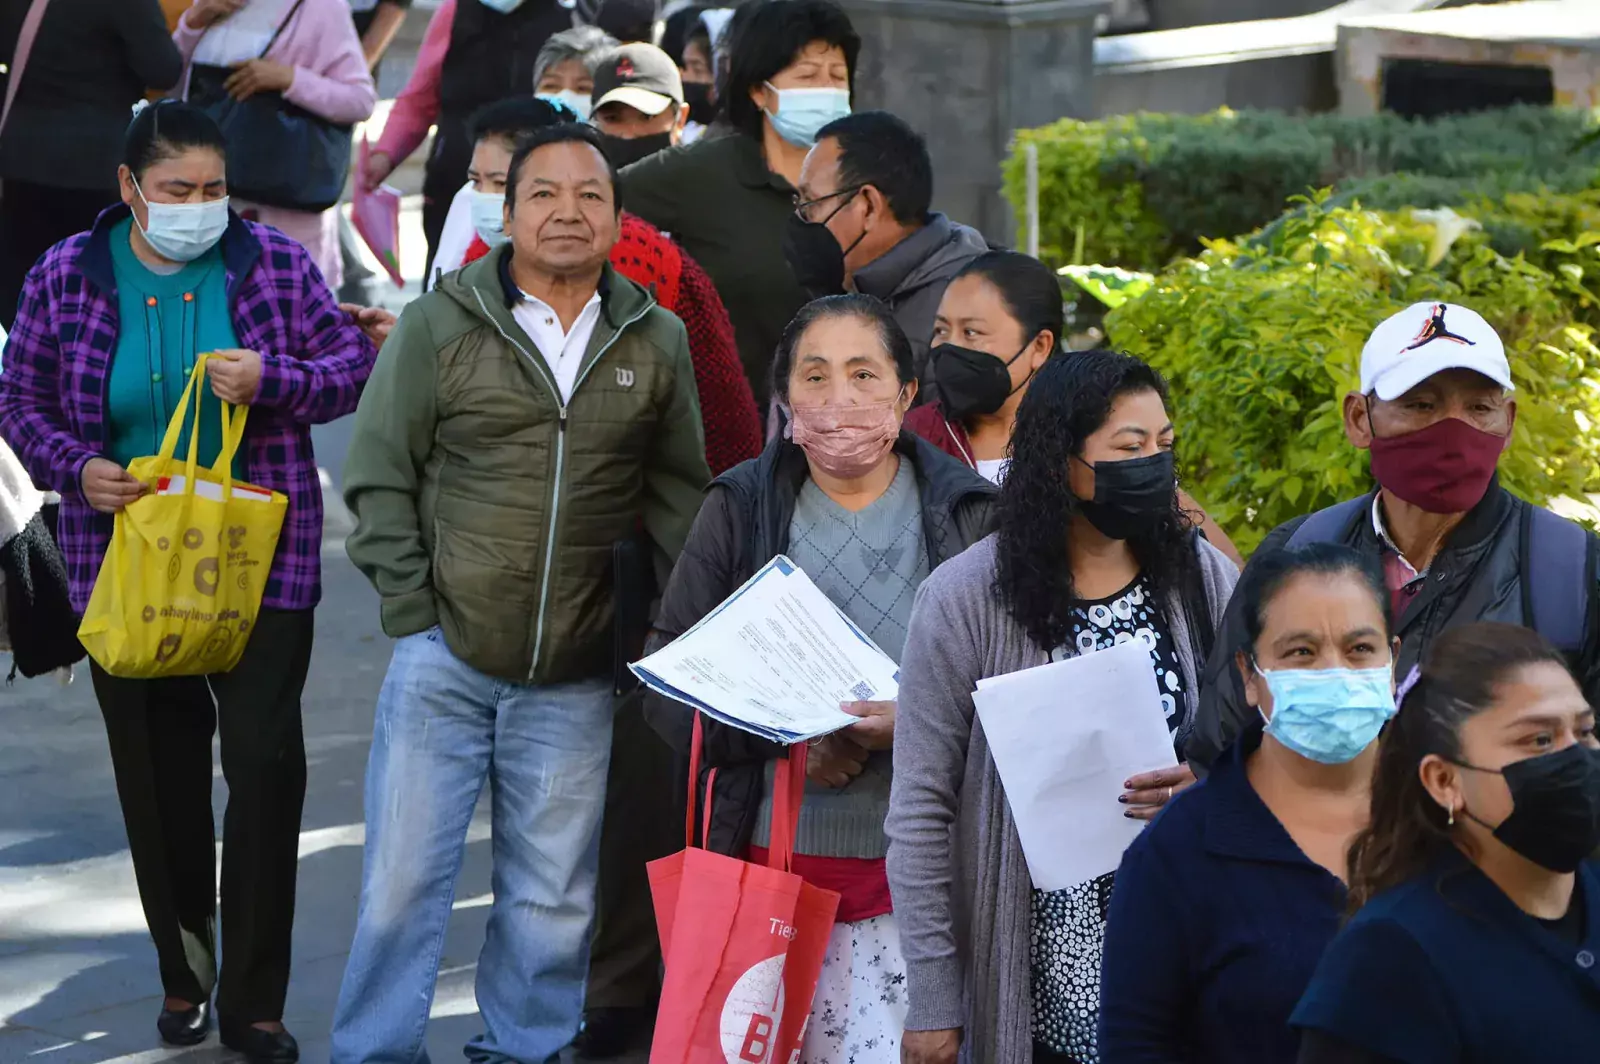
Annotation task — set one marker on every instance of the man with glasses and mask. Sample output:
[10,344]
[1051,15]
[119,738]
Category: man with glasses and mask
[1436,411]
[863,222]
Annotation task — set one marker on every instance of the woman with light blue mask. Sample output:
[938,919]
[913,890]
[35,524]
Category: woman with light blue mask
[728,197]
[1225,905]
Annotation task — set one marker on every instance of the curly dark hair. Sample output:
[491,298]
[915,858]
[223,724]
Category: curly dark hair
[1069,400]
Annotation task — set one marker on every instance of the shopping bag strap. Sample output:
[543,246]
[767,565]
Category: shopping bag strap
[233,423]
[697,741]
[19,56]
[788,791]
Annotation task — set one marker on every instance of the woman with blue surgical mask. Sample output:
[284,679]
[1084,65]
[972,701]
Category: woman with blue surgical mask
[111,325]
[1224,906]
[728,199]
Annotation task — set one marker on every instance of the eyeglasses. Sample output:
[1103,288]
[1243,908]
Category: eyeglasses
[803,207]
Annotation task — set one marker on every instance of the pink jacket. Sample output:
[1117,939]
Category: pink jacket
[331,79]
[417,107]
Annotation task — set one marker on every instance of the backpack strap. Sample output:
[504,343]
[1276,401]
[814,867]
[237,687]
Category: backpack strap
[1330,525]
[1557,577]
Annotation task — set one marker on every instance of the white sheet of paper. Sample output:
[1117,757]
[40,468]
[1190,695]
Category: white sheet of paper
[1065,737]
[776,659]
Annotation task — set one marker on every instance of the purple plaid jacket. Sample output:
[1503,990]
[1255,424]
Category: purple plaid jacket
[315,361]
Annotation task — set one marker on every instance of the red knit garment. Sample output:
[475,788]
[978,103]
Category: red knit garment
[649,258]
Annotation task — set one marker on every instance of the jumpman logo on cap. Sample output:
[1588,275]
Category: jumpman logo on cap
[1436,329]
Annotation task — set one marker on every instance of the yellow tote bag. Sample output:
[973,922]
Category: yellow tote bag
[181,584]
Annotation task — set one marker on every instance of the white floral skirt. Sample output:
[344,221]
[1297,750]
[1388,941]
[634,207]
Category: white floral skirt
[860,1008]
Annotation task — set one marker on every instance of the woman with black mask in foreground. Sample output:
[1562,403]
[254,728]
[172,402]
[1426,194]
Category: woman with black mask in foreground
[1092,550]
[1477,931]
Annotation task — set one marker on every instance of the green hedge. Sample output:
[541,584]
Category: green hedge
[1261,343]
[1137,190]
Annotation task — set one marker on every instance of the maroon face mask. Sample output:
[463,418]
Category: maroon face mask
[1444,468]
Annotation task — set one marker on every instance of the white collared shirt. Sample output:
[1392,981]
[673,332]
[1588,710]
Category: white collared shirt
[1387,541]
[562,351]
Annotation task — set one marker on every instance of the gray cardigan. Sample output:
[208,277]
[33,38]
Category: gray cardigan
[960,884]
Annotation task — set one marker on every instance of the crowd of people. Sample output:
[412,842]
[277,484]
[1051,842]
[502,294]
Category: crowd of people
[688,309]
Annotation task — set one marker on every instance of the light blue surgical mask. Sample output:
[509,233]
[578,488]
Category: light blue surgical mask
[1329,715]
[489,217]
[182,232]
[505,7]
[803,112]
[572,100]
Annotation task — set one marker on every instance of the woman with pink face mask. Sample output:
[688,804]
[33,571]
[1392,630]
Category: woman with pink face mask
[868,511]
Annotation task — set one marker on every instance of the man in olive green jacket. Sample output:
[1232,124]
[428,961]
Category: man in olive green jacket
[523,419]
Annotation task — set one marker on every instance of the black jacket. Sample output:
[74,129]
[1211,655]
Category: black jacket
[742,526]
[1477,576]
[92,60]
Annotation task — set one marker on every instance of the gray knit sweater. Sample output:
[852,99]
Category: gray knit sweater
[869,563]
[960,883]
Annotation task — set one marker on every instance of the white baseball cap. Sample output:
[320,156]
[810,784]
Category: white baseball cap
[1429,338]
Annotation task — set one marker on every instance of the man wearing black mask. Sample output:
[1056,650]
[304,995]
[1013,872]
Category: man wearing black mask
[638,103]
[863,223]
[1435,409]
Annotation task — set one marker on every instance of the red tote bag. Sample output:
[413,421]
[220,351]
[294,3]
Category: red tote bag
[743,943]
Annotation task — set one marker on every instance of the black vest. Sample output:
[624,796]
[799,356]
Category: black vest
[491,55]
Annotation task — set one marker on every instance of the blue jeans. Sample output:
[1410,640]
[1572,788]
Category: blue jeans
[441,729]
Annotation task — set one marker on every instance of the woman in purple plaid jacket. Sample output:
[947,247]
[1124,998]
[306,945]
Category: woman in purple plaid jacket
[110,324]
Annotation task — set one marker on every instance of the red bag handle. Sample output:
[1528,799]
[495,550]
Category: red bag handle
[788,792]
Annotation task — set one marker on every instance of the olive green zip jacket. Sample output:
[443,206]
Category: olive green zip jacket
[486,507]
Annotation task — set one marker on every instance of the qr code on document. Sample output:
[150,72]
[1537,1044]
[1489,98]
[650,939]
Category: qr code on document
[863,691]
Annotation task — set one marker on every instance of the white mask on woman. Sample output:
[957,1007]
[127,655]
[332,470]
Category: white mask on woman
[182,232]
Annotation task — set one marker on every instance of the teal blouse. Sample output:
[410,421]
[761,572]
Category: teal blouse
[167,320]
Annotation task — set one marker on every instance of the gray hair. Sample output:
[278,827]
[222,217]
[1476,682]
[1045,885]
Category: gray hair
[583,43]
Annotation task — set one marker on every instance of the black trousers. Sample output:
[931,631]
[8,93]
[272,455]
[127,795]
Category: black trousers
[642,823]
[160,732]
[33,219]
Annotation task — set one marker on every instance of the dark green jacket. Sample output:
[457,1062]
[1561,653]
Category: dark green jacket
[485,506]
[718,199]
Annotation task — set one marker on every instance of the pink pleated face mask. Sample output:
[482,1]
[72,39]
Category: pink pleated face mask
[846,441]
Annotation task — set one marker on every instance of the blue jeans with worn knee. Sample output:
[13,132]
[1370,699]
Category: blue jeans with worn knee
[442,728]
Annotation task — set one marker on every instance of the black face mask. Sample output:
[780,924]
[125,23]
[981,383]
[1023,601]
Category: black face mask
[1555,807]
[814,255]
[625,151]
[697,94]
[971,382]
[1130,496]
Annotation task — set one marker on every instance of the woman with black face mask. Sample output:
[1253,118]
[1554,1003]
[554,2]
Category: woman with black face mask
[1476,936]
[1092,551]
[1000,320]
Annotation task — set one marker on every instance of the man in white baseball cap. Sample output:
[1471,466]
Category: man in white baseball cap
[1435,410]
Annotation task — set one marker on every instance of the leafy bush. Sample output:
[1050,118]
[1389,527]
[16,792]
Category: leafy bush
[1144,188]
[1262,343]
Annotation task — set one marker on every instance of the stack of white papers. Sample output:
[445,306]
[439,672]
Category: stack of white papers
[777,659]
[1065,737]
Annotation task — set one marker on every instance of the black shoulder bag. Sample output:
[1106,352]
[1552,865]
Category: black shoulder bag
[279,154]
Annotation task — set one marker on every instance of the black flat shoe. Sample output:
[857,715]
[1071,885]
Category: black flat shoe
[609,1033]
[258,1046]
[186,1028]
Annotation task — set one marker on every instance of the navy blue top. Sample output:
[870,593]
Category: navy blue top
[1446,970]
[1217,922]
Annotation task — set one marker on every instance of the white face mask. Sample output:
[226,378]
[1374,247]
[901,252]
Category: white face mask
[802,113]
[571,98]
[488,217]
[182,232]
[505,7]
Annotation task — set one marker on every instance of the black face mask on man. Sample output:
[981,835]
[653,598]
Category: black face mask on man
[972,383]
[625,151]
[814,254]
[1131,496]
[1555,807]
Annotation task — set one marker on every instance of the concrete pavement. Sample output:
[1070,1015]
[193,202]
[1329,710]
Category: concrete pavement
[78,980]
